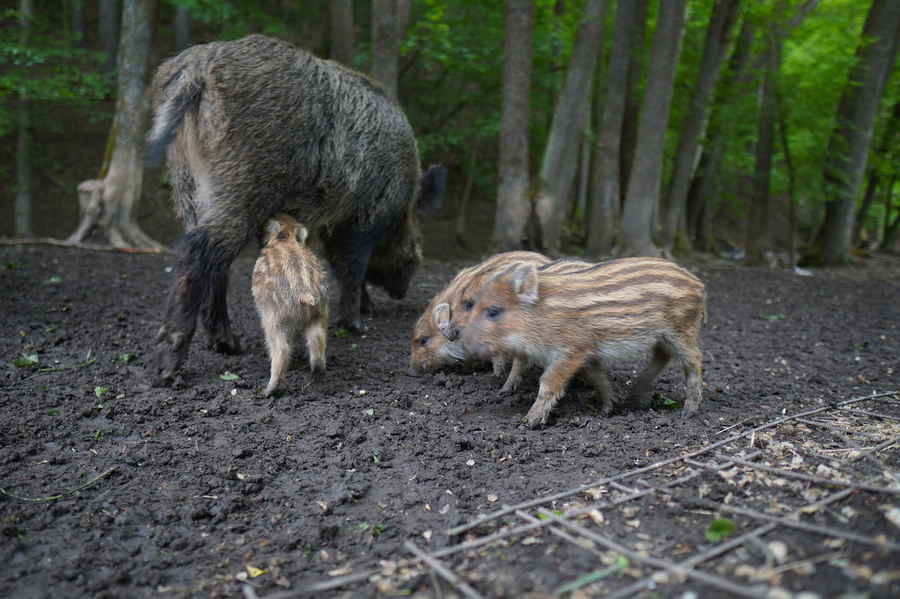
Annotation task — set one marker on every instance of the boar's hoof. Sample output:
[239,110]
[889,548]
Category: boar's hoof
[353,325]
[229,345]
[162,366]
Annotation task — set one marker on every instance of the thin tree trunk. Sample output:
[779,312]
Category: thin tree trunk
[78,30]
[111,201]
[891,228]
[605,175]
[109,31]
[633,95]
[23,204]
[720,25]
[646,172]
[386,39]
[561,152]
[459,226]
[513,201]
[781,109]
[183,24]
[852,137]
[758,240]
[342,41]
[884,149]
[582,187]
[701,200]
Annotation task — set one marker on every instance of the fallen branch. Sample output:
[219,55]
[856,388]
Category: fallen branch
[90,483]
[81,245]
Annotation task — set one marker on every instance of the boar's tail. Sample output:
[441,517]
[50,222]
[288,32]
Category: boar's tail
[182,93]
[431,189]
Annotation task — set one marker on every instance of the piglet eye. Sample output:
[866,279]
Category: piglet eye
[468,305]
[424,340]
[494,312]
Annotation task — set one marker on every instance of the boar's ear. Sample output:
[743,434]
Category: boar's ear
[525,283]
[441,316]
[431,189]
[301,234]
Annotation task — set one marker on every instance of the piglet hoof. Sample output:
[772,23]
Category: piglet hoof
[686,413]
[317,374]
[509,387]
[538,414]
[270,388]
[162,366]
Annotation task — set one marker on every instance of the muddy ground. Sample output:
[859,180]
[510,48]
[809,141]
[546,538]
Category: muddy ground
[174,492]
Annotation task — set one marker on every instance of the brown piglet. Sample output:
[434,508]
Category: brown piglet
[588,318]
[289,288]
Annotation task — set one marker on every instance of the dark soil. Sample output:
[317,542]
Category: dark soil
[184,488]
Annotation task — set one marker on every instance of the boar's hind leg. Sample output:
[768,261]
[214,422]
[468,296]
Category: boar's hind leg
[553,387]
[201,270]
[214,313]
[348,251]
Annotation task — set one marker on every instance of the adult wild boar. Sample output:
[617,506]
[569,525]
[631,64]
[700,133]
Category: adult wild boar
[257,126]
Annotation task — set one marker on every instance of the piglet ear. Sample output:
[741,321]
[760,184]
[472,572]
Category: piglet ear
[441,316]
[525,283]
[273,226]
[301,234]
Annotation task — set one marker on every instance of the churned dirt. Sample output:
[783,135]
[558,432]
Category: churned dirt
[112,488]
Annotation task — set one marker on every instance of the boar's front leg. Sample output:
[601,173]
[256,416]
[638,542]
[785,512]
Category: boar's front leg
[348,250]
[553,386]
[214,315]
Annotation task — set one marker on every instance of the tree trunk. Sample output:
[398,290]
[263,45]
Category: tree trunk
[513,201]
[720,24]
[109,31]
[632,95]
[605,175]
[884,150]
[78,30]
[891,228]
[781,109]
[561,153]
[342,39]
[758,240]
[183,23]
[646,171]
[23,204]
[701,200]
[387,36]
[459,227]
[848,148]
[110,202]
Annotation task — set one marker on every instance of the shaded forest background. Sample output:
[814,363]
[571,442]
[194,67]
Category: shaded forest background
[588,127]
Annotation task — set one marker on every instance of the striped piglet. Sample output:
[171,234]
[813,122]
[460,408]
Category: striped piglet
[587,318]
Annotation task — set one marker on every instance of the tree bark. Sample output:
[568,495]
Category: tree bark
[646,171]
[891,228]
[758,239]
[387,36]
[183,24]
[701,199]
[22,209]
[78,23]
[342,39]
[720,25]
[513,201]
[109,31]
[561,153]
[633,96]
[848,147]
[605,175]
[884,149]
[118,192]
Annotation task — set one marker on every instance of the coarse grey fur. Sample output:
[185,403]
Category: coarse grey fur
[257,126]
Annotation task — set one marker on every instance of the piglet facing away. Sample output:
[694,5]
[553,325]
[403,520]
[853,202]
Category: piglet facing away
[589,318]
[289,288]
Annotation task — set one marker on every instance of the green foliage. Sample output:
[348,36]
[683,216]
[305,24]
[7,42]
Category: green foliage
[719,529]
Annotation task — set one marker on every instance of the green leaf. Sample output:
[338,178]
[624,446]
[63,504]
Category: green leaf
[342,333]
[101,391]
[26,360]
[54,280]
[125,358]
[773,316]
[719,529]
[53,412]
[229,376]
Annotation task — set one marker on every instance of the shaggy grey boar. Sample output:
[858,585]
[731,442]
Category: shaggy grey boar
[289,288]
[257,126]
[591,317]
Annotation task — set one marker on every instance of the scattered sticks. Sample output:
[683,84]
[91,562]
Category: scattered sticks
[90,483]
